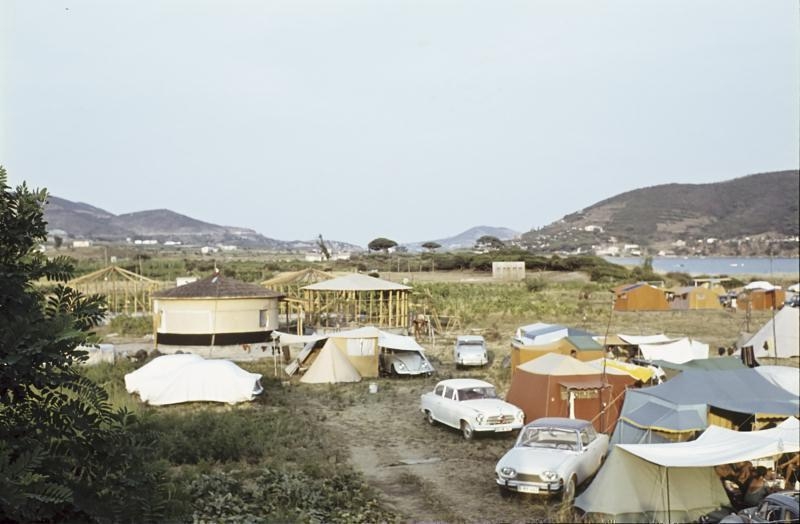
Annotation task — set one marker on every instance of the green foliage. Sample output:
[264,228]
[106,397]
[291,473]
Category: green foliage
[534,284]
[273,495]
[131,325]
[64,453]
[381,244]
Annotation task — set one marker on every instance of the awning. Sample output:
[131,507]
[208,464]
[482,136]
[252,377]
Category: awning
[584,384]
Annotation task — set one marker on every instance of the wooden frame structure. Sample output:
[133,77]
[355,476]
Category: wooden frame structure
[357,300]
[125,291]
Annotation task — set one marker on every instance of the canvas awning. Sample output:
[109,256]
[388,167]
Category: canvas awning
[584,384]
[676,482]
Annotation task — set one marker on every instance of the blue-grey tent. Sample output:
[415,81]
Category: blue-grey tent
[681,405]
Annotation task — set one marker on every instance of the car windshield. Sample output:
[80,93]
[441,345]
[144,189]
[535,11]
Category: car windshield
[476,393]
[470,343]
[549,438]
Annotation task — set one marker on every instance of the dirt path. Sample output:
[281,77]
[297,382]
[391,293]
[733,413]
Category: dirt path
[427,474]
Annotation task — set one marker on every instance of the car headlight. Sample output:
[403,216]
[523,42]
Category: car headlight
[521,416]
[400,365]
[425,365]
[549,476]
[479,418]
[508,472]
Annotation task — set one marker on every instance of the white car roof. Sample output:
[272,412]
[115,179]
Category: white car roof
[465,338]
[458,383]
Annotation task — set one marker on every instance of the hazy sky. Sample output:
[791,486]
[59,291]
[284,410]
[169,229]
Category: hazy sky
[413,120]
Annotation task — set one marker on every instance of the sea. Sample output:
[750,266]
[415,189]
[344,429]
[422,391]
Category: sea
[719,266]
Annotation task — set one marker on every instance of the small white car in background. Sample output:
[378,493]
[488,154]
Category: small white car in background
[552,456]
[397,362]
[471,406]
[470,350]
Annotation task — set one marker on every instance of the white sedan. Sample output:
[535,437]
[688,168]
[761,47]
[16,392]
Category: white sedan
[470,405]
[552,456]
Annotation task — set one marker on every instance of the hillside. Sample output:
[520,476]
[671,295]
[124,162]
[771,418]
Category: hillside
[764,204]
[467,239]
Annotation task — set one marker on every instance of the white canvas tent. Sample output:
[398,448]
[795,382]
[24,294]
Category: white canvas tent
[635,340]
[676,482]
[780,335]
[330,367]
[192,379]
[675,351]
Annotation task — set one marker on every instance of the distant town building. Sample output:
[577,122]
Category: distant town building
[81,243]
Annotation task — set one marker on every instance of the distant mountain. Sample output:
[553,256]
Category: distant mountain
[76,220]
[759,204]
[467,239]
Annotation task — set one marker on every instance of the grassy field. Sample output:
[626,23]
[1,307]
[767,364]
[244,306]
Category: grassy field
[304,453]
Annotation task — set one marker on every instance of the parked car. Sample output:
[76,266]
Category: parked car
[470,405]
[470,350]
[397,362]
[552,456]
[783,506]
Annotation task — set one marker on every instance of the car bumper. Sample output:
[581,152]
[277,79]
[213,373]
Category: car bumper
[541,488]
[498,428]
[472,362]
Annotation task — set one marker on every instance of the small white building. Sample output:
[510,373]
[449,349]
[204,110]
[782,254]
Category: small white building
[81,243]
[508,270]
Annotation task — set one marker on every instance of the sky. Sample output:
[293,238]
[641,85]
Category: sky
[411,120]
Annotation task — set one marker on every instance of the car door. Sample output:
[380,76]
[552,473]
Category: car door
[592,453]
[435,402]
[450,407]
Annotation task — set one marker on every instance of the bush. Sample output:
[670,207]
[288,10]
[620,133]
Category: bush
[132,325]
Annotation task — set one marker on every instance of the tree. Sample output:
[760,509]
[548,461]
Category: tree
[58,241]
[323,248]
[64,453]
[489,242]
[431,246]
[381,244]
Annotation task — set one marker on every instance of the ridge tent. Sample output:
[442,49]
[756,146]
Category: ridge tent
[780,335]
[331,366]
[676,482]
[555,385]
[675,351]
[693,399]
[195,380]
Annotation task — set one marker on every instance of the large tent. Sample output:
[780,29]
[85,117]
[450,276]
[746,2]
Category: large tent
[676,482]
[330,367]
[534,340]
[323,355]
[694,399]
[779,337]
[555,385]
[173,379]
[675,351]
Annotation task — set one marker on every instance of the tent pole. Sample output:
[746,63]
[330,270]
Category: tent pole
[669,506]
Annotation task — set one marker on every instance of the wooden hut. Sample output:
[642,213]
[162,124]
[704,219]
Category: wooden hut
[215,311]
[125,291]
[357,300]
[694,297]
[639,297]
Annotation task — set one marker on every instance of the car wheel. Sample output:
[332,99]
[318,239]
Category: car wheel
[568,495]
[429,418]
[467,430]
[394,371]
[504,491]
